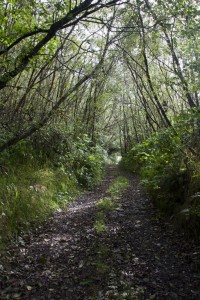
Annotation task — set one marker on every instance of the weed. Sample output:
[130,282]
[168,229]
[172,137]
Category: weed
[117,187]
[106,204]
[100,225]
[29,195]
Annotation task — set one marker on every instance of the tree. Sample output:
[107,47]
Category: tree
[81,62]
[47,90]
[72,16]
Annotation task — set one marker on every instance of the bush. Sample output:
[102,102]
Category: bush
[87,161]
[42,174]
[81,156]
[168,163]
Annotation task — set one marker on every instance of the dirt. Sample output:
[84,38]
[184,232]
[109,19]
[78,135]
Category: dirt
[139,256]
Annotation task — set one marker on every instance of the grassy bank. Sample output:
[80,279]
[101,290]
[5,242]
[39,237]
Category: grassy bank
[169,166]
[29,193]
[34,182]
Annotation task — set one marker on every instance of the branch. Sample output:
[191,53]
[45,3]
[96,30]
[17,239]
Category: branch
[28,34]
[85,7]
[18,137]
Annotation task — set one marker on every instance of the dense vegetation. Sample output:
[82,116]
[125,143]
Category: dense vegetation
[168,163]
[83,78]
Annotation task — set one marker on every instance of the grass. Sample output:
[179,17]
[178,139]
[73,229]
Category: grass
[117,187]
[106,204]
[100,225]
[28,194]
[103,252]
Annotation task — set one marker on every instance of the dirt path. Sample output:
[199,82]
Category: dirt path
[138,257]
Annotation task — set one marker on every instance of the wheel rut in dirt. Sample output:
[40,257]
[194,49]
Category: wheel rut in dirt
[138,256]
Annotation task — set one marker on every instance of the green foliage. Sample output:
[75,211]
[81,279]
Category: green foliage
[116,103]
[42,174]
[100,225]
[130,162]
[81,157]
[169,166]
[87,161]
[106,204]
[162,168]
[29,193]
[117,187]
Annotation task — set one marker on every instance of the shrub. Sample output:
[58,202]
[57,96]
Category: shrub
[42,174]
[87,161]
[168,163]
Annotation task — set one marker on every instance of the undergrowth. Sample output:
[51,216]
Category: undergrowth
[169,165]
[38,177]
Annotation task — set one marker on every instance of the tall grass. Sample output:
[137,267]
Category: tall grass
[29,193]
[42,174]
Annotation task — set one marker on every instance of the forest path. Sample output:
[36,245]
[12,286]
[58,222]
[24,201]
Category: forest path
[137,257]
